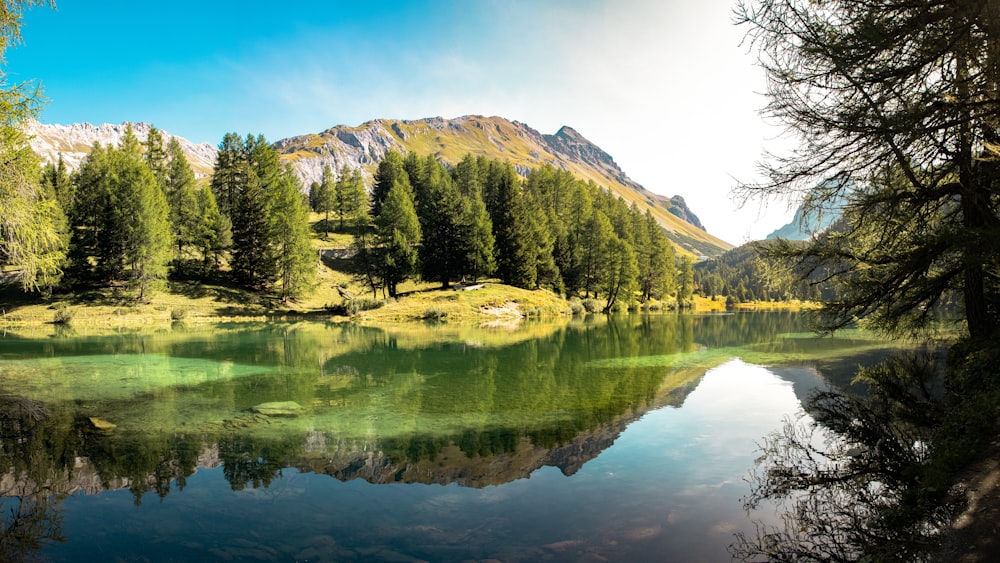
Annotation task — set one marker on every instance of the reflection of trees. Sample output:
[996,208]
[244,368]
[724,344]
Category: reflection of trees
[29,521]
[256,462]
[863,491]
[30,515]
[148,461]
[484,400]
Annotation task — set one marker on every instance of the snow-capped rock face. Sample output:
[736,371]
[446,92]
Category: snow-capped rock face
[74,142]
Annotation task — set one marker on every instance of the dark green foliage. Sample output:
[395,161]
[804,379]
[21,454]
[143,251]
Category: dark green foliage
[685,282]
[349,195]
[231,169]
[58,184]
[156,156]
[289,218]
[215,236]
[187,218]
[323,198]
[897,110]
[254,261]
[120,219]
[548,230]
[397,234]
[268,217]
[515,252]
[747,273]
[443,250]
[390,170]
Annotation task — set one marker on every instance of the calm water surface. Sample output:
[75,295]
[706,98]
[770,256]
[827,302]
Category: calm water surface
[623,439]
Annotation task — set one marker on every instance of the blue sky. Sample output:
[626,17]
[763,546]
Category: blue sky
[664,86]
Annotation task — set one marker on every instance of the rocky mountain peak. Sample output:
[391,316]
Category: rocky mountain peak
[73,142]
[681,210]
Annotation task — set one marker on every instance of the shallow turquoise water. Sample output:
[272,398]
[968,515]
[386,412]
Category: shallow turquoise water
[625,440]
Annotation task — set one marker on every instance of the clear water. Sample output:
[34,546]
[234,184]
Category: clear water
[623,439]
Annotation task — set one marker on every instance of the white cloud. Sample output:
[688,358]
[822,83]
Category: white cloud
[664,87]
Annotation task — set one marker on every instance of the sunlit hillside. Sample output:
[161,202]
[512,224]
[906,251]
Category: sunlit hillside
[447,139]
[494,137]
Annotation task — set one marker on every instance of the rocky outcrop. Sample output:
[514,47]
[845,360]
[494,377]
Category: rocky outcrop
[359,147]
[680,209]
[569,143]
[73,143]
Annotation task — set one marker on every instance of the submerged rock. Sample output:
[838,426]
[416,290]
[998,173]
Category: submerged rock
[101,424]
[278,408]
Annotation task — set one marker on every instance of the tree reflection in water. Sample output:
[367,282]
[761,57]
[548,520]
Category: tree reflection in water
[30,508]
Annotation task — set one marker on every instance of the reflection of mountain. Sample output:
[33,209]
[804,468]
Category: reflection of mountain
[471,459]
[372,407]
[458,461]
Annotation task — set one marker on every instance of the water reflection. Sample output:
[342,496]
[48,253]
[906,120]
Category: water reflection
[437,406]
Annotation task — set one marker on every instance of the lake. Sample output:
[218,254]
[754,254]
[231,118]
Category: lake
[624,438]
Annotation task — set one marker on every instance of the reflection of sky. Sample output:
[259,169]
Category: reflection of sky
[668,489]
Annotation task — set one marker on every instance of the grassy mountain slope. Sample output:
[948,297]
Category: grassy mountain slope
[448,139]
[494,137]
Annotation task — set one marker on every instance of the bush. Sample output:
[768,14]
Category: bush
[592,305]
[576,307]
[433,314]
[64,314]
[357,305]
[178,314]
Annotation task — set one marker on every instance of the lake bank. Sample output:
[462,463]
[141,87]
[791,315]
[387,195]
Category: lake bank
[489,304]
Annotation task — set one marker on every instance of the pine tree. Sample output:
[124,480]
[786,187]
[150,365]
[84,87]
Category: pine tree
[296,267]
[439,207]
[896,104]
[156,157]
[356,196]
[390,170]
[477,233]
[145,215]
[515,251]
[59,184]
[657,262]
[215,236]
[89,216]
[594,245]
[254,263]
[325,197]
[230,173]
[397,233]
[620,273]
[685,285]
[120,218]
[543,243]
[362,247]
[186,215]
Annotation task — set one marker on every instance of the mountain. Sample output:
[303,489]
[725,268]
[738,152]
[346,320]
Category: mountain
[74,142]
[806,224]
[494,137]
[448,139]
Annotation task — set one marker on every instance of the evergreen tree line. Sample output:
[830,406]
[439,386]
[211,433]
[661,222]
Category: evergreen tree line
[742,274]
[479,219]
[135,212]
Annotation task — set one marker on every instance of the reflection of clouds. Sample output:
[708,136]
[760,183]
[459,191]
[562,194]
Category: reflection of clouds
[725,527]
